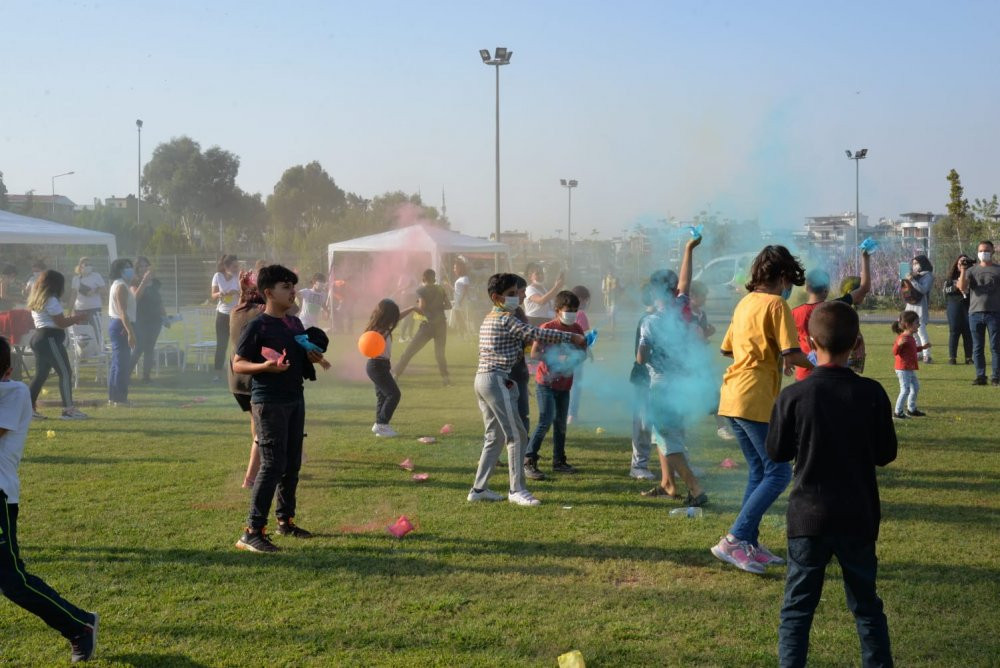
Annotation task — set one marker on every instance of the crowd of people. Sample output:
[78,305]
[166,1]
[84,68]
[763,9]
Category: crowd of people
[833,507]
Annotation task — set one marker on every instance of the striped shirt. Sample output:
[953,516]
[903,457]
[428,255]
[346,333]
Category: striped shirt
[502,338]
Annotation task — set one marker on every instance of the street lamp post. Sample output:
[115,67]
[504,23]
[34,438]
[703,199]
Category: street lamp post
[138,182]
[500,57]
[53,205]
[857,157]
[569,184]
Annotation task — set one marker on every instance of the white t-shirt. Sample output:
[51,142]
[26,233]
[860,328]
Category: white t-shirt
[387,353]
[461,291]
[533,310]
[15,417]
[226,302]
[92,284]
[313,302]
[44,317]
[129,302]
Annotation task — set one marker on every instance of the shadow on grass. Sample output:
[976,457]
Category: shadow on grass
[936,512]
[960,481]
[69,459]
[158,660]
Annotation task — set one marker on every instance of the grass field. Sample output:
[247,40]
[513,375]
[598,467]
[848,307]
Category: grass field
[134,514]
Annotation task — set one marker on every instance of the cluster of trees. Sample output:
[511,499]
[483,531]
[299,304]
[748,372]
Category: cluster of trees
[192,204]
[966,224]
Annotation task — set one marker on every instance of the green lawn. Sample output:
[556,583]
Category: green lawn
[135,513]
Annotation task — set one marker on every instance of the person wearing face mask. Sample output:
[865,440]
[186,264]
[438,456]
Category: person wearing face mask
[89,289]
[121,331]
[314,302]
[149,315]
[501,341]
[958,311]
[922,278]
[760,338]
[982,283]
[553,382]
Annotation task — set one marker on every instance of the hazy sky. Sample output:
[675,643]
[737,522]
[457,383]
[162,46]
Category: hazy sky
[658,108]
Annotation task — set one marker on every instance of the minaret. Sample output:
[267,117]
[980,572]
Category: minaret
[444,206]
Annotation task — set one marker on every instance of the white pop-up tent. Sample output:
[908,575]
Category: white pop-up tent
[18,229]
[419,238]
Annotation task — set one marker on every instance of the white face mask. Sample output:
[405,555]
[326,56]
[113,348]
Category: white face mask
[511,302]
[984,256]
[567,317]
[87,269]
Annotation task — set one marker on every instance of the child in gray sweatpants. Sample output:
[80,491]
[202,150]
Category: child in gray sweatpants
[501,339]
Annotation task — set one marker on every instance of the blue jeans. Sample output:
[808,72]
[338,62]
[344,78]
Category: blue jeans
[553,407]
[121,362]
[808,557]
[958,326]
[979,322]
[766,482]
[909,386]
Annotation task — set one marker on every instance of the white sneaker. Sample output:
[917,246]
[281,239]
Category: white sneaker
[73,414]
[485,495]
[523,499]
[642,474]
[375,428]
[725,434]
[385,431]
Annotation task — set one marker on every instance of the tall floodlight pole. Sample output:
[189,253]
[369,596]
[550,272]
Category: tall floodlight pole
[500,57]
[138,182]
[857,157]
[569,184]
[52,207]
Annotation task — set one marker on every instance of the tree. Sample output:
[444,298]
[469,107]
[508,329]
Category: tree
[4,201]
[960,223]
[197,188]
[167,240]
[305,198]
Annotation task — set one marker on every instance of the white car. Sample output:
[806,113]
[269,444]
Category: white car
[725,277]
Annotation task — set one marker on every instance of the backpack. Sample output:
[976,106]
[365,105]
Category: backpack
[910,292]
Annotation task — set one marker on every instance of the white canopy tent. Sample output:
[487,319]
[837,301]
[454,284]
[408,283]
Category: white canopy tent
[419,238]
[17,229]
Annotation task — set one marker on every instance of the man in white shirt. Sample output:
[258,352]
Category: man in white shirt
[538,300]
[26,590]
[460,316]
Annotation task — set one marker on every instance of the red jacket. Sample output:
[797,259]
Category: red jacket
[562,379]
[905,349]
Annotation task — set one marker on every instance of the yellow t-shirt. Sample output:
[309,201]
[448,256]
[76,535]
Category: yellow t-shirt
[761,330]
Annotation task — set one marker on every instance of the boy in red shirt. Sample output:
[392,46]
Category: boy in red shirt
[554,380]
[905,349]
[818,289]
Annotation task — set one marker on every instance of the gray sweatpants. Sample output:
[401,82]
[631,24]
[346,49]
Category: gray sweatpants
[641,436]
[497,397]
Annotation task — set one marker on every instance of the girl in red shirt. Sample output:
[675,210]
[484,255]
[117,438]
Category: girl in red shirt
[905,349]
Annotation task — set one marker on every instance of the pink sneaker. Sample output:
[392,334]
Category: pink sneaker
[740,554]
[762,555]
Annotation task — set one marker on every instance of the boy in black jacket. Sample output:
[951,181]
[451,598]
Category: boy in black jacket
[833,508]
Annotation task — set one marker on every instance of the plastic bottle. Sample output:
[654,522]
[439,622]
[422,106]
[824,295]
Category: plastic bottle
[691,511]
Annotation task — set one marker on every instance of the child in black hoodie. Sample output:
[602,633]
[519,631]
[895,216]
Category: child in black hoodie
[833,508]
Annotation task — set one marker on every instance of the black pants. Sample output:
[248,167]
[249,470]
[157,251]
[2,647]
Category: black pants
[29,591]
[50,353]
[808,557]
[387,394]
[146,335]
[279,438]
[437,332]
[221,339]
[958,326]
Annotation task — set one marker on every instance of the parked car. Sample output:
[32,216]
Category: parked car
[725,277]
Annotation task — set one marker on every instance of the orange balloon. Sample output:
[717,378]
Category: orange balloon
[371,344]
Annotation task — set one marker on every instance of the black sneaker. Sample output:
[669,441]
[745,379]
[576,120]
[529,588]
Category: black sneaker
[980,380]
[968,360]
[562,467]
[995,380]
[951,361]
[290,528]
[531,471]
[915,413]
[900,416]
[256,541]
[83,646]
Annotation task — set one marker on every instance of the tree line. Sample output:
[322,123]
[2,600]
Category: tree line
[191,203]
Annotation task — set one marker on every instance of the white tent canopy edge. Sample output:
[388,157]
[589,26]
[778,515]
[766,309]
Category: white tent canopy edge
[18,229]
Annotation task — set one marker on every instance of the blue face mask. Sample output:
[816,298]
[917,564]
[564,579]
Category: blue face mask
[128,273]
[786,293]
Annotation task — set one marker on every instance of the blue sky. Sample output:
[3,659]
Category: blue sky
[658,108]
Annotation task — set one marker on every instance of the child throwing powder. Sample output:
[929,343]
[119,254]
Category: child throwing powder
[905,349]
[383,320]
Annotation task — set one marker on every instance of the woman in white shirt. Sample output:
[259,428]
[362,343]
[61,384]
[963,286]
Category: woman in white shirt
[538,300]
[225,290]
[49,341]
[89,290]
[121,310]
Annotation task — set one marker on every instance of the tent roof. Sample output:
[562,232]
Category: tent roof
[419,237]
[18,229]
